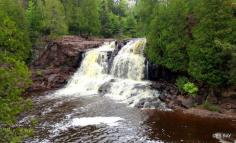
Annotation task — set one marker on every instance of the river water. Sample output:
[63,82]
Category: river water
[98,105]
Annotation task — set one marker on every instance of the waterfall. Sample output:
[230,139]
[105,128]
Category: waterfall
[130,62]
[125,81]
[91,74]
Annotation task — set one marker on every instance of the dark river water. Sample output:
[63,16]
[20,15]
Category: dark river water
[95,119]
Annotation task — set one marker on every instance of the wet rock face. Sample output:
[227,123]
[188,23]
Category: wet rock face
[65,52]
[151,103]
[119,45]
[59,61]
[47,79]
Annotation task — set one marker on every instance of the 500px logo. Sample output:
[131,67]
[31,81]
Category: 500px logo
[223,137]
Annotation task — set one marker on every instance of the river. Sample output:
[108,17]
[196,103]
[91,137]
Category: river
[98,105]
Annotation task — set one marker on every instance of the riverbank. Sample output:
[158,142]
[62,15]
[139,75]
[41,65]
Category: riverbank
[224,108]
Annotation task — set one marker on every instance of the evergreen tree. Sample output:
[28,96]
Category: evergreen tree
[144,13]
[131,26]
[72,11]
[106,19]
[212,35]
[168,37]
[89,17]
[14,37]
[54,23]
[34,15]
[14,75]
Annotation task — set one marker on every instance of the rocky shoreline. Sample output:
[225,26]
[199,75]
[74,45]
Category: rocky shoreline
[189,105]
[57,63]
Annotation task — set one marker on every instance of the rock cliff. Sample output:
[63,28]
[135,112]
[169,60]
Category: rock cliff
[59,60]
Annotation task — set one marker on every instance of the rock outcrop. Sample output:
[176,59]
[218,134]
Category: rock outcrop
[59,60]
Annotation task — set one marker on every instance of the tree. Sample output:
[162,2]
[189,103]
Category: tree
[14,37]
[212,35]
[34,15]
[130,26]
[53,23]
[106,19]
[14,79]
[72,11]
[15,50]
[144,13]
[168,37]
[89,17]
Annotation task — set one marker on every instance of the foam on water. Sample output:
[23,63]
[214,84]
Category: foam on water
[110,121]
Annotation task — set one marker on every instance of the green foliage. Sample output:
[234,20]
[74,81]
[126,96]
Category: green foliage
[107,18]
[15,50]
[186,86]
[212,33]
[89,17]
[130,26]
[195,37]
[14,79]
[14,38]
[180,82]
[116,20]
[34,16]
[190,88]
[53,23]
[168,36]
[72,15]
[211,107]
[16,135]
[46,19]
[145,11]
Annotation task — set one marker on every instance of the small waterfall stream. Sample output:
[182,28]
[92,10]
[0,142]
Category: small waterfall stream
[94,107]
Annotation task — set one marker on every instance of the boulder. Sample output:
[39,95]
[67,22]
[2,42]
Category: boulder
[186,102]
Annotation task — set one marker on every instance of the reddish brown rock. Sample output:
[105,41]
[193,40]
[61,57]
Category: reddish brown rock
[205,113]
[61,58]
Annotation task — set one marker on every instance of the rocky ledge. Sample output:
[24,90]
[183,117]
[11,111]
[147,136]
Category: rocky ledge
[59,60]
[225,106]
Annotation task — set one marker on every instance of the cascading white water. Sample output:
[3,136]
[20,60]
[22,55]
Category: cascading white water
[125,82]
[91,75]
[130,62]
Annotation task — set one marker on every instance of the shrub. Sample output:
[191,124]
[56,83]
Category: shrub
[191,88]
[184,85]
[180,82]
[211,107]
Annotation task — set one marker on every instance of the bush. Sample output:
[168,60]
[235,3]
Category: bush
[184,85]
[211,107]
[180,82]
[14,79]
[190,88]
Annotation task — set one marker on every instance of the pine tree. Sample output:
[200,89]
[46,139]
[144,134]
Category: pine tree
[131,26]
[14,75]
[213,34]
[34,15]
[54,23]
[168,37]
[106,19]
[14,37]
[89,17]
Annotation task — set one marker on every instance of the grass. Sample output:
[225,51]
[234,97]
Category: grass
[211,107]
